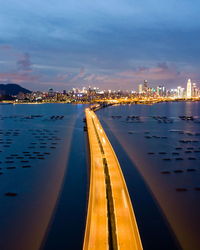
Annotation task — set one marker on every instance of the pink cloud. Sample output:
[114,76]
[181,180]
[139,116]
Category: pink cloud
[53,83]
[5,47]
[161,72]
[90,77]
[62,77]
[24,63]
[78,76]
[17,77]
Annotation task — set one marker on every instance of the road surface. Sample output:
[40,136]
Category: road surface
[111,223]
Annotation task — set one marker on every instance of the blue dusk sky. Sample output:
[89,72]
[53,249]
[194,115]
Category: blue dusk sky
[112,44]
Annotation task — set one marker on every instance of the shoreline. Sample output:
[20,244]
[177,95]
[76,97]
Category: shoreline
[112,102]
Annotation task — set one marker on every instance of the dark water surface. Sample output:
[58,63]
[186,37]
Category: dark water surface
[159,152]
[43,176]
[44,173]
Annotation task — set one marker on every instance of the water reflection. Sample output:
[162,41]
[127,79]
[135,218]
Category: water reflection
[34,151]
[164,148]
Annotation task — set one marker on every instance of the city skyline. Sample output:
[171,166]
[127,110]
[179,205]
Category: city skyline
[142,87]
[145,94]
[90,43]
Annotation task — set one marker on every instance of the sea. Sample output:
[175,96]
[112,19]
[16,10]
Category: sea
[44,173]
[43,176]
[158,147]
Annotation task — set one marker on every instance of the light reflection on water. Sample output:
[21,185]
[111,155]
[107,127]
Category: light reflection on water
[35,147]
[172,174]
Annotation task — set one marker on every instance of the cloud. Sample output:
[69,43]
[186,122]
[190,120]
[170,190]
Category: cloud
[119,46]
[63,77]
[90,77]
[5,47]
[18,77]
[161,72]
[48,67]
[24,63]
[78,76]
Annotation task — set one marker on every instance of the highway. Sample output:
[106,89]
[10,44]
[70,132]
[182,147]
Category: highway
[96,233]
[111,222]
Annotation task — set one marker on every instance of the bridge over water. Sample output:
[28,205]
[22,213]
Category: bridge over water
[111,222]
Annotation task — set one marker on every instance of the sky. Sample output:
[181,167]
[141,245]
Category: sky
[112,44]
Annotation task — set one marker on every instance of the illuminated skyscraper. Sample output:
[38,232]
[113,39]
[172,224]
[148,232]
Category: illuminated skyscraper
[194,90]
[145,86]
[140,88]
[180,92]
[161,91]
[189,89]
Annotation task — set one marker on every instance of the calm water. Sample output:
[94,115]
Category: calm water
[44,173]
[43,176]
[164,152]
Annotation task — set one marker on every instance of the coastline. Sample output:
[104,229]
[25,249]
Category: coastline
[110,101]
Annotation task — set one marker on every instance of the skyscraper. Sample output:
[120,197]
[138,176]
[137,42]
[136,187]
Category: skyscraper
[180,92]
[161,91]
[189,89]
[194,90]
[140,88]
[145,86]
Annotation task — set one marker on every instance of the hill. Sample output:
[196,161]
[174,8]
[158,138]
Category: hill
[11,89]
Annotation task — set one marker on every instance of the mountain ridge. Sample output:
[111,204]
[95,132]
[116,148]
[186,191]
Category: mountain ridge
[12,89]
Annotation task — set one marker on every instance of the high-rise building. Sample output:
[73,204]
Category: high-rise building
[189,89]
[140,88]
[145,86]
[194,90]
[51,92]
[161,91]
[180,92]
